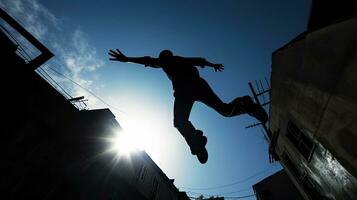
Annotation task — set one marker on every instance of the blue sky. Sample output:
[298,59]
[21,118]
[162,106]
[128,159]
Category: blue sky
[239,34]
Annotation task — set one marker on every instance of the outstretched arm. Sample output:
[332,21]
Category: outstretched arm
[146,60]
[217,67]
[201,62]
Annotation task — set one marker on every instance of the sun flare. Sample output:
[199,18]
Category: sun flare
[146,126]
[139,134]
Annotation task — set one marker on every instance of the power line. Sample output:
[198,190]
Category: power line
[100,99]
[40,72]
[221,194]
[59,87]
[227,185]
[27,57]
[244,190]
[18,43]
[21,45]
[70,96]
[238,197]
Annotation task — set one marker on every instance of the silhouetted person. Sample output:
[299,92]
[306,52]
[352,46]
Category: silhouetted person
[189,87]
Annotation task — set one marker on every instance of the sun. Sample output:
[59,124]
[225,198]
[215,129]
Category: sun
[123,143]
[146,126]
[139,134]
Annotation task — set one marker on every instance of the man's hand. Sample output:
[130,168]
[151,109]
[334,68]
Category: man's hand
[218,67]
[117,55]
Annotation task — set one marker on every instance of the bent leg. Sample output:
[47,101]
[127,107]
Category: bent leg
[238,106]
[207,96]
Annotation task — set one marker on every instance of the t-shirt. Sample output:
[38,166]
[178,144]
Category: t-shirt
[181,71]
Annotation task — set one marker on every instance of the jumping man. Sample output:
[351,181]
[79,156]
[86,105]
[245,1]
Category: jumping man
[189,87]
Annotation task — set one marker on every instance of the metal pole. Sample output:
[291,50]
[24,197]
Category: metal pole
[257,101]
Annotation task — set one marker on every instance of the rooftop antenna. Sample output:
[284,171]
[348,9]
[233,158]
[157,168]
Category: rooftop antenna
[260,91]
[79,100]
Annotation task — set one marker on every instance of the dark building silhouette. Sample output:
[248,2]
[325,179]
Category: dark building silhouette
[275,187]
[209,198]
[313,104]
[327,12]
[49,149]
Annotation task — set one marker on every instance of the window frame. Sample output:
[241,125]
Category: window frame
[299,139]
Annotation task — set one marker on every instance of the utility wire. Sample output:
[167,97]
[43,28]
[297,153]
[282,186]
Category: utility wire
[70,96]
[26,55]
[238,197]
[100,99]
[221,194]
[49,67]
[227,185]
[18,43]
[244,190]
[45,77]
[59,87]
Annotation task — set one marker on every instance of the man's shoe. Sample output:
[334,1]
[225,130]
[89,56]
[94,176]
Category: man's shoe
[198,141]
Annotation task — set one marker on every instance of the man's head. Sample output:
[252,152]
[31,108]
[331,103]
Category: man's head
[166,54]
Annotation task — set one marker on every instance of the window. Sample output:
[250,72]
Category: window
[300,140]
[290,165]
[305,181]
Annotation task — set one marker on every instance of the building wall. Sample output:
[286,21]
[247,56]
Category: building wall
[149,178]
[314,87]
[275,187]
[51,150]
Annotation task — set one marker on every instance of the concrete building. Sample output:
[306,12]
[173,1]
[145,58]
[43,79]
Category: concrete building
[313,120]
[150,180]
[275,187]
[49,149]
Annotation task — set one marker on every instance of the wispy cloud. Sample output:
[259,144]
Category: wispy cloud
[79,57]
[74,54]
[34,16]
